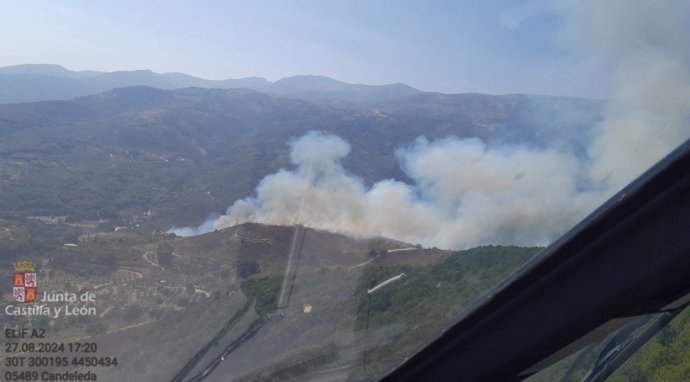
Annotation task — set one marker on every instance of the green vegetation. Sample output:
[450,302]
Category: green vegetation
[247,268]
[665,358]
[430,298]
[265,292]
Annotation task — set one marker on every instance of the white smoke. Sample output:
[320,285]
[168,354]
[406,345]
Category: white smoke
[643,46]
[465,193]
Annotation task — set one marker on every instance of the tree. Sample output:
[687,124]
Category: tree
[247,268]
[164,254]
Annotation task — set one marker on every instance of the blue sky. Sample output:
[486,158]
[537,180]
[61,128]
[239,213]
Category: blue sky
[449,46]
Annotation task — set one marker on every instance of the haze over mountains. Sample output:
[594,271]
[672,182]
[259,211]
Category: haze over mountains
[30,83]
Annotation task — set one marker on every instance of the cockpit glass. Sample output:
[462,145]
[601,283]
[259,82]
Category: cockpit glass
[328,221]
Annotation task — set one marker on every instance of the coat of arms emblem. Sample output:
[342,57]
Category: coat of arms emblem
[24,281]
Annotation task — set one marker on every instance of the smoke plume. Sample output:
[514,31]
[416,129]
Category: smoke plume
[643,46]
[466,193]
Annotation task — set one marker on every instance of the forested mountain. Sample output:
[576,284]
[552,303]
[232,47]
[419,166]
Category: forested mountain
[181,154]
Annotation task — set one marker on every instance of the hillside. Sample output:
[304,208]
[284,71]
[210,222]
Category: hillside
[143,155]
[266,247]
[197,296]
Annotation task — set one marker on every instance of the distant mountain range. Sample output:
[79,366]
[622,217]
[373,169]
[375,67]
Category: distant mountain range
[30,83]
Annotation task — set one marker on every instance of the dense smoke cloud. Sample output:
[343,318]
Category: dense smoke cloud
[643,46]
[465,193]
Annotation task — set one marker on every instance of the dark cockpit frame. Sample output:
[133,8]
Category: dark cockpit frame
[630,257]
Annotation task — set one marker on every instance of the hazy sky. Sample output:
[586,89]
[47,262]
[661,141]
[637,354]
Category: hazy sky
[496,46]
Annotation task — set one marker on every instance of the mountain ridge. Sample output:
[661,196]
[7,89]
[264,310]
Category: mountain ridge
[41,82]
